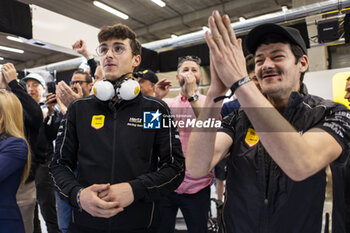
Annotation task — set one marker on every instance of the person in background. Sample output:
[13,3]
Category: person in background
[45,194]
[192,197]
[147,80]
[14,161]
[80,81]
[80,86]
[33,118]
[98,74]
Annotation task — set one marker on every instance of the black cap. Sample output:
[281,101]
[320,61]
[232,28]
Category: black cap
[149,75]
[253,39]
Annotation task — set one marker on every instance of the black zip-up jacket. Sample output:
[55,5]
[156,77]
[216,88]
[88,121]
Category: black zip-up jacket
[107,143]
[261,198]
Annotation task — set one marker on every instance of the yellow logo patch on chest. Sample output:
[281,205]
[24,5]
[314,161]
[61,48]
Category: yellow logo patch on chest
[251,139]
[98,121]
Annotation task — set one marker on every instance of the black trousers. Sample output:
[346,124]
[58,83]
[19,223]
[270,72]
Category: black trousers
[194,208]
[46,198]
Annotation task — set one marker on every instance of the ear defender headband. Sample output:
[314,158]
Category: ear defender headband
[123,88]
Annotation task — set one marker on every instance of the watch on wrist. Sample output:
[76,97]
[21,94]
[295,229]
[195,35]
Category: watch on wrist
[193,98]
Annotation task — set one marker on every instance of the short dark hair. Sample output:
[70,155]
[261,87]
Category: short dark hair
[87,76]
[250,63]
[120,31]
[182,59]
[348,78]
[296,49]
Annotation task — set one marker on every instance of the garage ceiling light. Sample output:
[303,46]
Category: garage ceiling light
[159,3]
[11,49]
[111,10]
[14,39]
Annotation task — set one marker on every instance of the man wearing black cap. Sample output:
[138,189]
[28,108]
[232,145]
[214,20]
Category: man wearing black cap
[147,80]
[278,144]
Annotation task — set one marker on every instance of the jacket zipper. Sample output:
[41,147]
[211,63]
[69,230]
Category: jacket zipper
[268,186]
[270,190]
[265,185]
[151,219]
[72,215]
[113,156]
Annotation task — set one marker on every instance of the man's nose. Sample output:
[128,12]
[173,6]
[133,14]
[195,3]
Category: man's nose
[268,64]
[109,52]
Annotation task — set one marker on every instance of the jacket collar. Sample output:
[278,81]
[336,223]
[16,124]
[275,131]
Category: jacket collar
[295,100]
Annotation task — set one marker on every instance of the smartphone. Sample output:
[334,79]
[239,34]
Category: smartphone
[51,87]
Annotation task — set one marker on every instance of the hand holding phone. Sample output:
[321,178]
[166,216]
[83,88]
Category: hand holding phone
[51,88]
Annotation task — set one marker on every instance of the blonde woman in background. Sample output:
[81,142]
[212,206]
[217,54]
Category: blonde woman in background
[14,161]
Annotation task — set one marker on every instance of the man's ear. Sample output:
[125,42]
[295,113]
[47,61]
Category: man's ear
[136,61]
[304,63]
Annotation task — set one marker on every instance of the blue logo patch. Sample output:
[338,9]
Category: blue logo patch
[151,120]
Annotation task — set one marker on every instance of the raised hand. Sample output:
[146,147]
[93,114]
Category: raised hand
[9,72]
[66,94]
[226,51]
[162,88]
[217,87]
[190,85]
[81,48]
[50,102]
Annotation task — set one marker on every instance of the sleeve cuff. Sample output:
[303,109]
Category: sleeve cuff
[342,159]
[13,83]
[73,196]
[138,189]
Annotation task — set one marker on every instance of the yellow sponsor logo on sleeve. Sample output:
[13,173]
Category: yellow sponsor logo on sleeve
[251,138]
[97,121]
